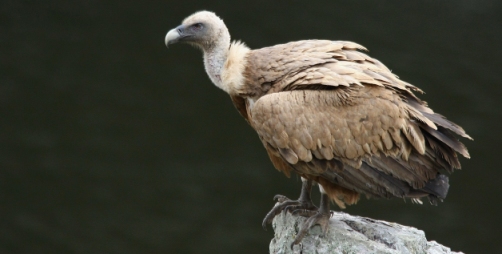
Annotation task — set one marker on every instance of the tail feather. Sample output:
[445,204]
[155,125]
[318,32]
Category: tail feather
[442,154]
[442,121]
[438,186]
[444,136]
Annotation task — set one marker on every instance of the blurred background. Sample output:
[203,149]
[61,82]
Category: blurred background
[111,143]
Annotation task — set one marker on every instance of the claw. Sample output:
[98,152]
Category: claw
[289,208]
[285,204]
[297,211]
[277,209]
[280,198]
[321,218]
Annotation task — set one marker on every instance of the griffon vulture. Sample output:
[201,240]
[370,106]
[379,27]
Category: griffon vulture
[331,114]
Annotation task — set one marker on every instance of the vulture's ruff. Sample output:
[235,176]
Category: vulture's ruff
[333,115]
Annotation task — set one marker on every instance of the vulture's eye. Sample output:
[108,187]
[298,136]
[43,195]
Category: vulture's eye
[197,26]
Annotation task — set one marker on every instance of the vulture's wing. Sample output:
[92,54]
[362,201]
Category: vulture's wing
[341,115]
[318,62]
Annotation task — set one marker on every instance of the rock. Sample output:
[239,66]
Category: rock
[351,234]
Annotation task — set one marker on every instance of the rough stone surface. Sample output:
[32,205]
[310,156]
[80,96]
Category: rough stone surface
[351,234]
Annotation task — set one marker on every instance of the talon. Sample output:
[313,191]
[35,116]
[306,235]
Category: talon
[321,218]
[286,204]
[280,198]
[264,225]
[295,212]
[289,208]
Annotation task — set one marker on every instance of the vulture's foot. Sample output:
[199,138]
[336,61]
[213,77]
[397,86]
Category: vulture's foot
[303,204]
[288,205]
[320,217]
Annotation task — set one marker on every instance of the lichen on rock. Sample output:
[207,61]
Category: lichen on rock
[351,234]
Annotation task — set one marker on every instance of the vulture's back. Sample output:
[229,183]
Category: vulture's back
[335,115]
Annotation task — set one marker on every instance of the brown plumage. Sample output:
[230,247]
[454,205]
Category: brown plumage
[332,114]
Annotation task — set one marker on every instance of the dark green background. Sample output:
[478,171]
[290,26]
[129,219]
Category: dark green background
[111,143]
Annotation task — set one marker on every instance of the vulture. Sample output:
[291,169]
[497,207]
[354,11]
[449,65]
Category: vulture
[332,114]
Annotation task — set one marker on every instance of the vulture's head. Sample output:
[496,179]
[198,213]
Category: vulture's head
[202,29]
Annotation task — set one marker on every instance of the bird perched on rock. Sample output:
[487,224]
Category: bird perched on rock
[331,114]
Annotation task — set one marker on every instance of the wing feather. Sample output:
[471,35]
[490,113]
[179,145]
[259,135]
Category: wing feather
[319,102]
[369,128]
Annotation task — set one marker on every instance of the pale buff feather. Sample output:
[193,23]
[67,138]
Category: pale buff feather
[232,74]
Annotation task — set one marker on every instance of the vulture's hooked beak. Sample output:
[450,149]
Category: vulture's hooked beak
[175,35]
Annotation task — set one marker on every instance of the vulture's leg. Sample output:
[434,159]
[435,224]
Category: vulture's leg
[304,203]
[321,218]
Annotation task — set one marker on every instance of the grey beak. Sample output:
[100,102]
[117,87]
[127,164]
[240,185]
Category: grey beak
[172,37]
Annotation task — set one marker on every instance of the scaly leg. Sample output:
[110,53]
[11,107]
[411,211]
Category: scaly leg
[304,203]
[321,218]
